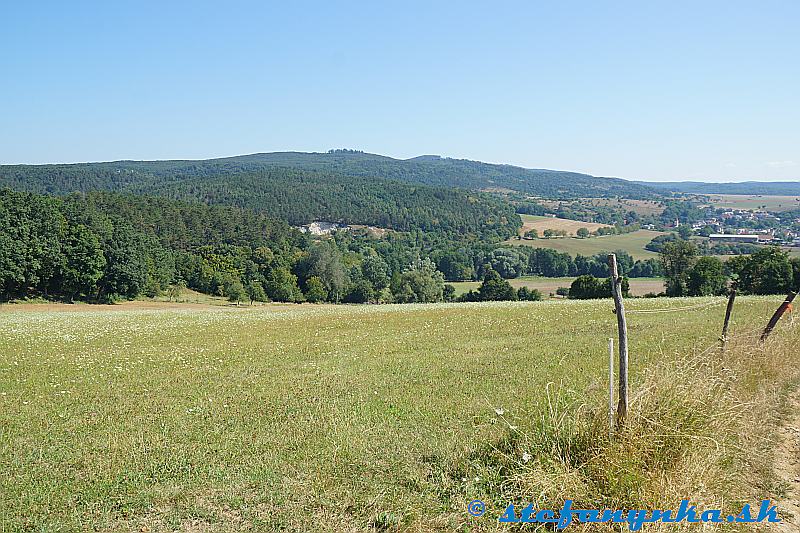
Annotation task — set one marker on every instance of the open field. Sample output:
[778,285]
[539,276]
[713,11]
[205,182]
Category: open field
[352,418]
[754,202]
[642,207]
[540,223]
[633,243]
[639,286]
[188,299]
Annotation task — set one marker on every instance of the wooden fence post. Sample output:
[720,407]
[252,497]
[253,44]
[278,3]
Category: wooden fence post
[622,328]
[728,311]
[778,314]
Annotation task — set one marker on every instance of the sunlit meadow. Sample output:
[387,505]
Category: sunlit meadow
[332,418]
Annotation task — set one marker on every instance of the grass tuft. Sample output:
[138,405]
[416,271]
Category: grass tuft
[700,427]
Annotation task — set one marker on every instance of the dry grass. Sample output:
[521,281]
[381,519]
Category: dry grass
[755,202]
[539,223]
[189,299]
[702,426]
[642,207]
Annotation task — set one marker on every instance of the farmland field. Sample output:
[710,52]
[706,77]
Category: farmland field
[642,207]
[541,223]
[633,243]
[638,286]
[756,201]
[337,418]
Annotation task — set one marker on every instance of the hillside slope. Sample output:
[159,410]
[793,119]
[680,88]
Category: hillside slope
[778,188]
[295,195]
[430,170]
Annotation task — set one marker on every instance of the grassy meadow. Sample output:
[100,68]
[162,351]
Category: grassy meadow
[541,223]
[351,418]
[643,207]
[633,243]
[755,202]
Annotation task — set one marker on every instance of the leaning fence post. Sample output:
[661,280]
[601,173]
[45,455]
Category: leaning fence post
[778,314]
[728,310]
[622,328]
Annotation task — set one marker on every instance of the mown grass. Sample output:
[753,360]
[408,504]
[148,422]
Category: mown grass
[363,417]
[541,223]
[633,243]
[755,202]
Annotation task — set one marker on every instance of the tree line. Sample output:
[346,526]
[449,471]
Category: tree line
[108,246]
[103,247]
[469,262]
[688,272]
[769,270]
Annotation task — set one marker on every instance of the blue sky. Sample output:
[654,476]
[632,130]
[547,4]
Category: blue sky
[642,90]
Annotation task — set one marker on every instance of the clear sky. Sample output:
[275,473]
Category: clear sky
[661,90]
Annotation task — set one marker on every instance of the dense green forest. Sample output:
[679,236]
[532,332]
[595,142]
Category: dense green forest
[297,196]
[143,176]
[300,197]
[104,246]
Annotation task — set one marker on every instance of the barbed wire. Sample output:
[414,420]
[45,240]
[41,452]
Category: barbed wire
[675,309]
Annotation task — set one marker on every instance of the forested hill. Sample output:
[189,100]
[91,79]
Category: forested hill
[297,196]
[303,196]
[430,170]
[779,188]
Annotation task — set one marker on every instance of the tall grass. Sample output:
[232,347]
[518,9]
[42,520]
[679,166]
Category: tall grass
[700,427]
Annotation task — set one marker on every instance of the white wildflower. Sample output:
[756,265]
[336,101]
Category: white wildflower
[526,457]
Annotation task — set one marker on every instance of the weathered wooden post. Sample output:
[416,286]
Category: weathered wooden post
[778,314]
[728,310]
[622,328]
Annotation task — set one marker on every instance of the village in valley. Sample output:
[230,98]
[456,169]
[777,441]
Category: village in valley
[749,226]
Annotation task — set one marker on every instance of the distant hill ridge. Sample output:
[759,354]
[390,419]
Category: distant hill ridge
[772,188]
[426,169]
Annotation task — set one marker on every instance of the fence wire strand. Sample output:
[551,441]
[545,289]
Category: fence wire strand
[675,309]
